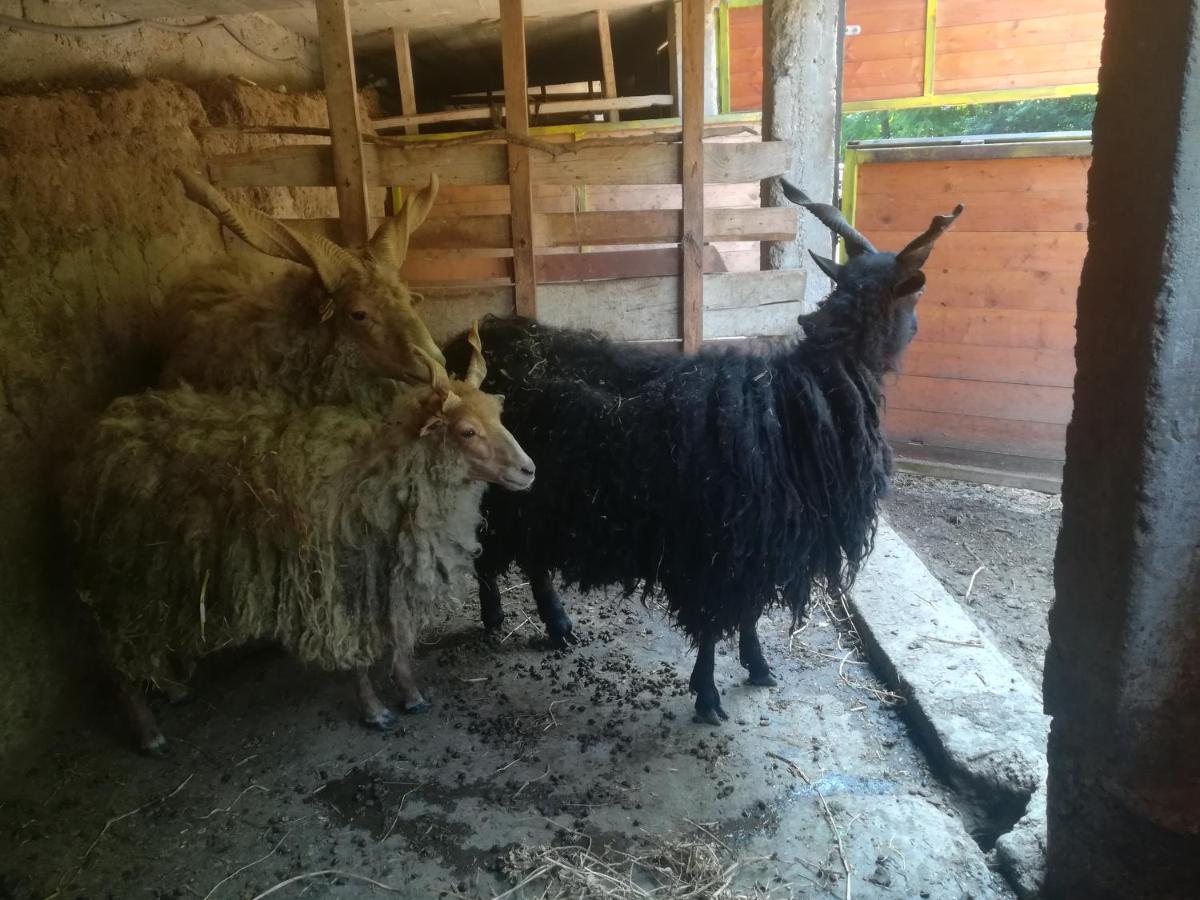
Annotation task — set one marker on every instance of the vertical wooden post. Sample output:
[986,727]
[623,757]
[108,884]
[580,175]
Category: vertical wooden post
[674,29]
[520,186]
[608,70]
[404,75]
[345,125]
[692,176]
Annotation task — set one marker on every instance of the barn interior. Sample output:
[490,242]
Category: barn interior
[901,753]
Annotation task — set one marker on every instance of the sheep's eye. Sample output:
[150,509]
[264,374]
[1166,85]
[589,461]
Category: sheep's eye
[358,315]
[468,432]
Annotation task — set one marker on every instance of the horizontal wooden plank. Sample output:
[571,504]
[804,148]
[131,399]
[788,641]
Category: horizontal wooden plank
[1011,365]
[994,82]
[602,265]
[1079,27]
[1067,147]
[1041,440]
[971,12]
[870,72]
[1016,61]
[1060,210]
[1018,175]
[536,107]
[886,45]
[953,285]
[994,400]
[735,304]
[590,227]
[999,328]
[1055,251]
[492,199]
[876,16]
[411,166]
[855,93]
[981,468]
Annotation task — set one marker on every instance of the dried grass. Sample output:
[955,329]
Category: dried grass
[683,869]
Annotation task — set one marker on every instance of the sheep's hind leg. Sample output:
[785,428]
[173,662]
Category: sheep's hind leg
[410,694]
[751,656]
[137,710]
[703,682]
[491,609]
[374,713]
[559,628]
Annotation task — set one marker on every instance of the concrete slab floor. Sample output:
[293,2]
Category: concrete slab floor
[527,752]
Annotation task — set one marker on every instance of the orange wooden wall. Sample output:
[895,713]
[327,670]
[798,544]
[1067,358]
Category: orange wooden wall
[988,380]
[745,58]
[981,45]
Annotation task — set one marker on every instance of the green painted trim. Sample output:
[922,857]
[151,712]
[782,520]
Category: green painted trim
[738,118]
[725,91]
[1001,96]
[931,8]
[742,4]
[849,193]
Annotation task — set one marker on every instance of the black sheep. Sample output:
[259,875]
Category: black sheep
[730,480]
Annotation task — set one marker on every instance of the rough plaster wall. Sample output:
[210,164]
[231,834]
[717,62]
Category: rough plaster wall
[276,57]
[800,105]
[94,231]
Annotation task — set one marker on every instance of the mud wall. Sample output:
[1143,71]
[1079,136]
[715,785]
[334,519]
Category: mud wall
[94,232]
[246,46]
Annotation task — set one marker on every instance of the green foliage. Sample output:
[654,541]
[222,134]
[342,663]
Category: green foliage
[1059,114]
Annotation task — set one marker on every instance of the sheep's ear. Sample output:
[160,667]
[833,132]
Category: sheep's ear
[390,243]
[828,266]
[331,262]
[912,257]
[477,367]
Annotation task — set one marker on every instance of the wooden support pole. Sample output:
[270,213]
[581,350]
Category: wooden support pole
[345,124]
[608,71]
[692,246]
[674,60]
[404,75]
[520,181]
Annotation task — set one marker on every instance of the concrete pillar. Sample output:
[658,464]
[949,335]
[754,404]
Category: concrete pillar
[802,104]
[1123,670]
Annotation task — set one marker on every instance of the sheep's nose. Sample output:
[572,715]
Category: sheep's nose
[528,469]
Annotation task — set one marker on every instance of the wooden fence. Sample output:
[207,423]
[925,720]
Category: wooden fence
[987,385]
[513,231]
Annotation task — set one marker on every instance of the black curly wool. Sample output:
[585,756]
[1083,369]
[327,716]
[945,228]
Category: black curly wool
[731,480]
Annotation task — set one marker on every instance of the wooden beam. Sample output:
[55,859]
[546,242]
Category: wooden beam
[739,304]
[608,80]
[520,174]
[341,97]
[545,108]
[404,76]
[590,227]
[692,246]
[309,165]
[674,60]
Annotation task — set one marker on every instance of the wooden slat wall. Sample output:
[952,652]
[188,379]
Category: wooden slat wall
[989,376]
[886,60]
[606,230]
[982,45]
[745,58]
[985,45]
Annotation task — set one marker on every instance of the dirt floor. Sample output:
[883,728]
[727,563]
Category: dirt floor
[1002,537]
[539,774]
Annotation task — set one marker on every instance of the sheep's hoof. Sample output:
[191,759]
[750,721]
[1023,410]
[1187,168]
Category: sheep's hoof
[561,639]
[384,721]
[762,679]
[418,707]
[155,747]
[492,635]
[709,712]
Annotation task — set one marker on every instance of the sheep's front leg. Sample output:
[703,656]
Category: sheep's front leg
[406,683]
[374,713]
[751,656]
[491,610]
[137,710]
[559,628]
[703,682]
